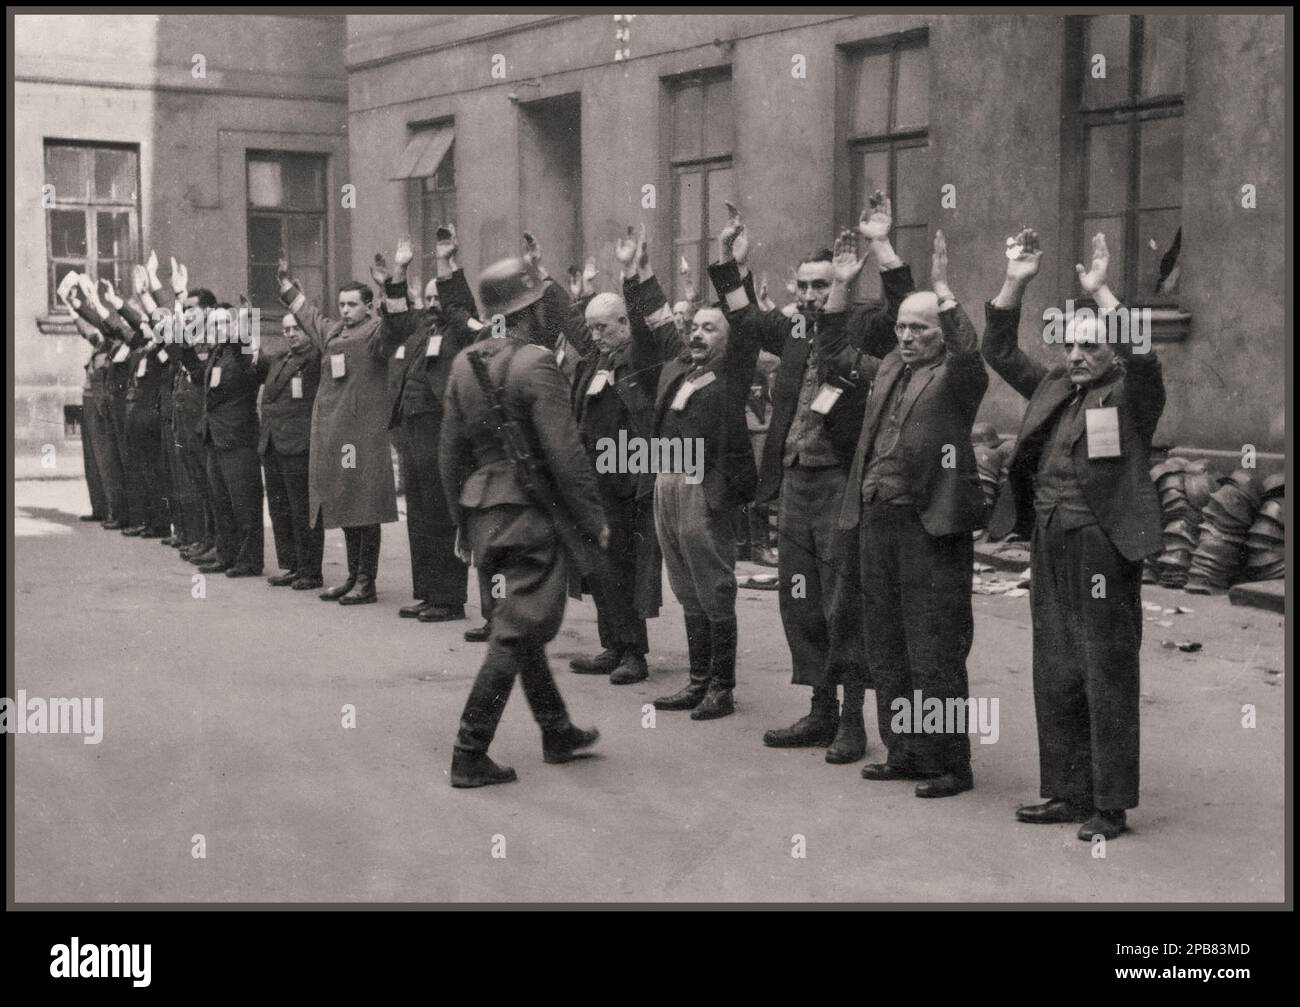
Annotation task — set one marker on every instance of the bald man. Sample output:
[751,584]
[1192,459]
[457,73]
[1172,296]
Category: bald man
[914,496]
[1080,487]
[614,403]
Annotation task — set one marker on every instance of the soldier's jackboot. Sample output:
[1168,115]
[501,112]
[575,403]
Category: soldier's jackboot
[850,742]
[470,765]
[815,729]
[363,593]
[718,700]
[561,744]
[699,645]
[475,769]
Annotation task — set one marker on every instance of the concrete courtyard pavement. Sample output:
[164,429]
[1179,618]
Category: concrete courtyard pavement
[223,719]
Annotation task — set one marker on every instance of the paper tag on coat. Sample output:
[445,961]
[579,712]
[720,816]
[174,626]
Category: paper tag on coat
[689,388]
[434,347]
[826,398]
[1103,432]
[559,357]
[142,367]
[216,377]
[295,386]
[401,353]
[598,383]
[338,365]
[162,356]
[122,353]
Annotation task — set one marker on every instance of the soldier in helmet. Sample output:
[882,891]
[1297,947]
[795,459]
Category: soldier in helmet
[522,491]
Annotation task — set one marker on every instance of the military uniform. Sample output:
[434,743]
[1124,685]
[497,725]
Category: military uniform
[513,540]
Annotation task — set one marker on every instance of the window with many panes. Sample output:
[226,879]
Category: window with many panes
[702,132]
[286,211]
[1123,153]
[93,212]
[889,146]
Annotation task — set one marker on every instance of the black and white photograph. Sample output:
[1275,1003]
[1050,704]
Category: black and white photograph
[684,458]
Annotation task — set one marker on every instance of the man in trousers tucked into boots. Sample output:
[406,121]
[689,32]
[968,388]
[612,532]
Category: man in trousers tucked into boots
[699,423]
[518,522]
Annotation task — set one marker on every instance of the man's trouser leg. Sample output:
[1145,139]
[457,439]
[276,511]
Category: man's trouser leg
[1086,666]
[309,542]
[223,510]
[277,505]
[172,515]
[444,577]
[109,461]
[89,463]
[418,531]
[918,628]
[614,590]
[243,477]
[132,470]
[198,500]
[699,548]
[146,452]
[518,543]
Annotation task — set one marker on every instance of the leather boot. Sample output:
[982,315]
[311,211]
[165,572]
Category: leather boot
[475,769]
[561,746]
[814,730]
[631,669]
[602,664]
[335,593]
[699,645]
[850,742]
[363,593]
[718,700]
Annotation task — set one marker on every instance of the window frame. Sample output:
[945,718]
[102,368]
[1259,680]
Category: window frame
[283,215]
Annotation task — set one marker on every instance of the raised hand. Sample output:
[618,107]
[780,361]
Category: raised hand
[445,246]
[282,269]
[877,220]
[575,283]
[532,250]
[845,259]
[1023,256]
[180,277]
[734,239]
[625,250]
[939,268]
[151,270]
[403,256]
[109,295]
[139,280]
[643,252]
[379,270]
[1093,278]
[765,303]
[792,281]
[684,267]
[67,289]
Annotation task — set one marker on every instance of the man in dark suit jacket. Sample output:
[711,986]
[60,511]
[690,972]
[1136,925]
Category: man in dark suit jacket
[700,408]
[512,535]
[818,405]
[289,382]
[228,426]
[914,495]
[1080,484]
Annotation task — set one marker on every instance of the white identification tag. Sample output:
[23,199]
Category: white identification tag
[689,388]
[1103,432]
[216,377]
[559,357]
[598,383]
[401,353]
[295,386]
[142,367]
[826,398]
[434,347]
[338,365]
[122,353]
[162,356]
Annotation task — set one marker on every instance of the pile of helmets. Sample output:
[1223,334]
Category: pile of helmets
[1184,487]
[1266,538]
[1220,553]
[992,458]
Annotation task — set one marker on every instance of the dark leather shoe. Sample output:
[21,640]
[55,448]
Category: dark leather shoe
[630,670]
[683,699]
[806,732]
[307,584]
[850,742]
[475,769]
[153,533]
[561,746]
[442,613]
[716,703]
[216,566]
[134,532]
[114,524]
[172,541]
[412,610]
[884,771]
[363,593]
[478,634]
[282,579]
[1108,824]
[240,570]
[1053,812]
[947,785]
[335,593]
[205,557]
[91,517]
[602,664]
